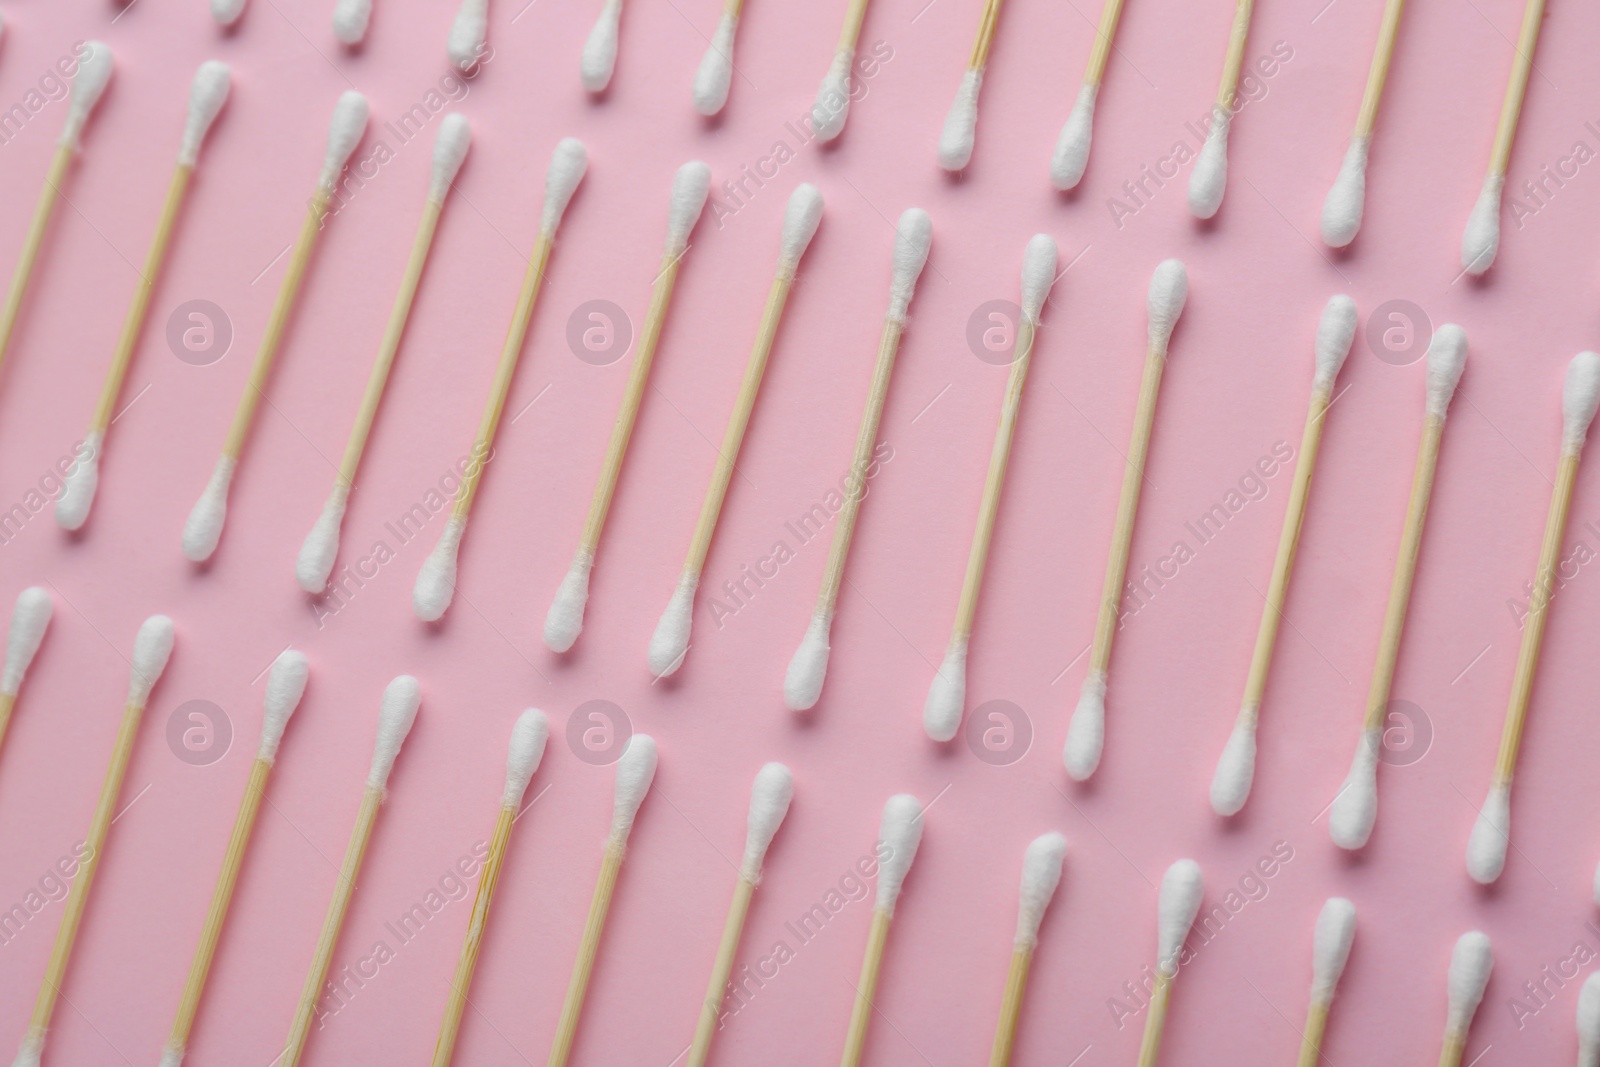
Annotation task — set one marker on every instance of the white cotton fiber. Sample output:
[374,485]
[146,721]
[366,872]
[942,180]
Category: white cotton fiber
[715,73]
[1341,210]
[690,187]
[1072,149]
[349,122]
[94,73]
[1230,786]
[568,164]
[832,108]
[401,698]
[468,34]
[1589,1022]
[913,236]
[171,1057]
[227,12]
[1335,333]
[1041,873]
[203,529]
[1355,809]
[29,620]
[152,647]
[436,581]
[961,123]
[350,18]
[802,683]
[1086,731]
[899,834]
[1209,179]
[207,93]
[1481,241]
[31,1053]
[449,152]
[1330,950]
[769,803]
[321,547]
[1181,890]
[1038,274]
[1470,964]
[78,487]
[564,621]
[286,684]
[947,696]
[1491,836]
[1169,291]
[801,217]
[1580,395]
[671,640]
[1447,358]
[599,57]
[635,771]
[528,737]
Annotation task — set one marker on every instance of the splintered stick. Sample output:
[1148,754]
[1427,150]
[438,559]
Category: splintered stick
[1330,950]
[1181,890]
[1209,179]
[204,526]
[1072,149]
[960,130]
[1041,873]
[29,620]
[207,94]
[1342,210]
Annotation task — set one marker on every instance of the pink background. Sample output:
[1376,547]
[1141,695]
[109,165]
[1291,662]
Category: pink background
[1237,384]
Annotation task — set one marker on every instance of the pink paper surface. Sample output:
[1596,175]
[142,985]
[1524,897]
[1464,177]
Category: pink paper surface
[1235,391]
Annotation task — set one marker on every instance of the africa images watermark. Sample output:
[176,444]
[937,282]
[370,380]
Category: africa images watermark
[49,888]
[42,493]
[49,88]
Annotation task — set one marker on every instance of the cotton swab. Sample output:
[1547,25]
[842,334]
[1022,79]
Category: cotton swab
[350,18]
[227,12]
[1589,1022]
[1072,149]
[151,649]
[207,94]
[1181,890]
[961,121]
[1491,834]
[285,685]
[1169,289]
[204,526]
[1481,240]
[802,684]
[898,838]
[436,582]
[94,71]
[1336,930]
[769,803]
[828,114]
[399,710]
[469,34]
[670,642]
[1470,964]
[1041,873]
[941,714]
[528,739]
[1341,211]
[599,58]
[1209,179]
[321,546]
[635,771]
[565,619]
[29,620]
[1230,787]
[1355,809]
[714,76]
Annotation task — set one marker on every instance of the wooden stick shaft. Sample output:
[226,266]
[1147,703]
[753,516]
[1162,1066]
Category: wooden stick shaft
[1144,417]
[8,702]
[450,1028]
[588,948]
[1538,614]
[1104,37]
[31,244]
[1234,60]
[1394,618]
[1517,87]
[733,7]
[1155,1022]
[390,345]
[345,888]
[711,1010]
[861,1014]
[245,414]
[510,354]
[1311,1039]
[866,441]
[1005,1032]
[854,16]
[1382,56]
[1454,1046]
[980,47]
[55,971]
[243,823]
[632,397]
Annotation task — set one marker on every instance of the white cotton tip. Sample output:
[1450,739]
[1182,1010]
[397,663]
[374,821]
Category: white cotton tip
[436,581]
[1491,836]
[468,34]
[207,93]
[78,487]
[1169,291]
[1041,873]
[769,803]
[1072,149]
[1181,890]
[29,620]
[635,771]
[802,684]
[1355,809]
[899,835]
[1447,358]
[203,529]
[94,73]
[528,739]
[599,59]
[1086,731]
[1579,397]
[449,152]
[564,622]
[1209,179]
[227,12]
[828,114]
[1230,786]
[961,123]
[715,73]
[286,684]
[344,133]
[1341,209]
[172,1057]
[568,164]
[800,220]
[350,18]
[1038,274]
[321,547]
[152,647]
[1589,1022]
[1335,333]
[690,187]
[947,696]
[1330,947]
[1481,240]
[670,642]
[1470,964]
[913,236]
[401,698]
[31,1053]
